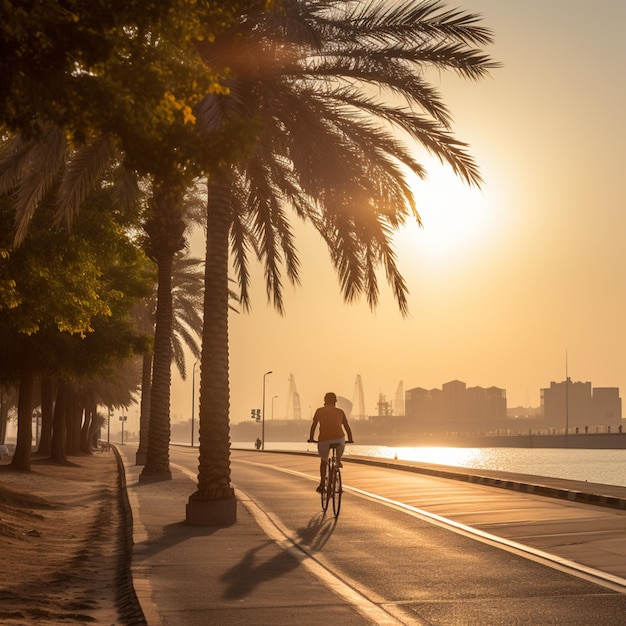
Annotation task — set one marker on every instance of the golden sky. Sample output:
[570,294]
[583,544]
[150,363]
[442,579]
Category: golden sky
[504,280]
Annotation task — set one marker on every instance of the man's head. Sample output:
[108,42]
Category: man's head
[330,398]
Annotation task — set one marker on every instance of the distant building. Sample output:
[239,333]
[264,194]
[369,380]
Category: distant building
[384,407]
[456,407]
[293,410]
[606,406]
[574,405]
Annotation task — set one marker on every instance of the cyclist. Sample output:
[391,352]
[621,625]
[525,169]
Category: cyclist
[332,421]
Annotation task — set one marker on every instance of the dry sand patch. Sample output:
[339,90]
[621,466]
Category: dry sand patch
[65,544]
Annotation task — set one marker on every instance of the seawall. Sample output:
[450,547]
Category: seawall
[365,434]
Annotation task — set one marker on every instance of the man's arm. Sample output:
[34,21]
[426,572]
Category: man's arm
[348,429]
[313,425]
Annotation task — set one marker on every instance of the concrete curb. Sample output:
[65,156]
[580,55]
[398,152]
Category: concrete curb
[129,606]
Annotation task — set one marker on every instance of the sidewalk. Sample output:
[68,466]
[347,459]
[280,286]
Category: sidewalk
[190,575]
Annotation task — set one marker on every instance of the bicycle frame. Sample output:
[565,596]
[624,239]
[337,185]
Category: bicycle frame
[333,488]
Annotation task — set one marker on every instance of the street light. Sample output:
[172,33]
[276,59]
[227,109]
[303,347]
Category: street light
[123,419]
[273,398]
[263,414]
[193,397]
[566,396]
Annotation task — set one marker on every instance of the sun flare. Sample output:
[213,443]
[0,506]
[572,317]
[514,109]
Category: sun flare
[455,217]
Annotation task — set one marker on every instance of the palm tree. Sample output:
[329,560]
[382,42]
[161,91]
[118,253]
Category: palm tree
[187,291]
[312,76]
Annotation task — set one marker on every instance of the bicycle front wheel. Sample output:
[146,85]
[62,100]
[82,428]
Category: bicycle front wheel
[330,482]
[324,495]
[337,491]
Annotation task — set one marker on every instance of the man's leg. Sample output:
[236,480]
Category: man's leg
[320,487]
[322,450]
[340,449]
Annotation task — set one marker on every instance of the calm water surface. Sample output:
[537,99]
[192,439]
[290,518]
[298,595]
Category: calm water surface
[595,466]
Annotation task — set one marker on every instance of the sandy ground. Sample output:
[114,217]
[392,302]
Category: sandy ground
[65,544]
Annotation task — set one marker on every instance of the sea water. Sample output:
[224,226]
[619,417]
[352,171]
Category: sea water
[606,467]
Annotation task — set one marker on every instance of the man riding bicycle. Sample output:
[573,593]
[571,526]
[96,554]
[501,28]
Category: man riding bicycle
[332,421]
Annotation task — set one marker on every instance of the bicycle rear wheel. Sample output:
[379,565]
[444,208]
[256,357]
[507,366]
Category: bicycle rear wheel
[337,491]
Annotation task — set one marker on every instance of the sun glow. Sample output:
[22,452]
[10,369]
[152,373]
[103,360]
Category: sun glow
[462,457]
[455,217]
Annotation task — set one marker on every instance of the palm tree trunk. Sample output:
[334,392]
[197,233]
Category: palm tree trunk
[86,429]
[22,455]
[166,231]
[95,428]
[47,407]
[58,451]
[74,420]
[144,419]
[4,415]
[214,501]
[157,460]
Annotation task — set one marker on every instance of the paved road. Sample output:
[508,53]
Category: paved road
[404,549]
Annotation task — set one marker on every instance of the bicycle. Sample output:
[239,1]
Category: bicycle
[332,490]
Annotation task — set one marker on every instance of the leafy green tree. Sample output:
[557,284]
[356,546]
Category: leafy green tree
[133,95]
[34,167]
[119,68]
[123,78]
[336,96]
[69,308]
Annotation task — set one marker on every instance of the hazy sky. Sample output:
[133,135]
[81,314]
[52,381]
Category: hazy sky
[503,281]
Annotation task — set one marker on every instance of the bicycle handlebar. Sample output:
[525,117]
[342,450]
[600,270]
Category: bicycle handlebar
[316,441]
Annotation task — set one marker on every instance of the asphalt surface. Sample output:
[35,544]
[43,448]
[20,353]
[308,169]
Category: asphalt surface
[414,544]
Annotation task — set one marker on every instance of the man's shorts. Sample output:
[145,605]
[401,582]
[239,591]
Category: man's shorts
[323,447]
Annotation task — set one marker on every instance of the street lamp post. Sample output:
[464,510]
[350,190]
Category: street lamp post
[566,397]
[37,416]
[263,413]
[123,418]
[273,398]
[193,397]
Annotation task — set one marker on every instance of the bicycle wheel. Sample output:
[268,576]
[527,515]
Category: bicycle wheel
[328,487]
[337,491]
[324,497]
[325,493]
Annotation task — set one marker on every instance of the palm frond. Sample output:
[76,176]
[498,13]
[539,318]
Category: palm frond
[83,170]
[126,189]
[45,162]
[15,154]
